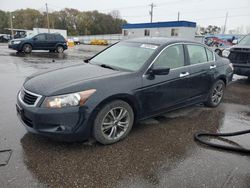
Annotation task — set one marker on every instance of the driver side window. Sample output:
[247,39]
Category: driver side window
[172,57]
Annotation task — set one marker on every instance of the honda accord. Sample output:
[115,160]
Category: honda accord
[127,82]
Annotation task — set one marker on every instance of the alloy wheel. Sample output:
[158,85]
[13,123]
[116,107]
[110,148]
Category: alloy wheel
[115,123]
[217,93]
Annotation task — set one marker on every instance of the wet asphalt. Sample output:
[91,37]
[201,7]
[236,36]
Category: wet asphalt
[159,152]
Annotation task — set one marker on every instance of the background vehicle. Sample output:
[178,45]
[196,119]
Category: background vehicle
[76,41]
[43,41]
[4,37]
[220,42]
[127,82]
[239,55]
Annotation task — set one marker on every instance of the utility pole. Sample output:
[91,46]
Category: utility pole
[47,11]
[225,25]
[178,17]
[11,26]
[151,12]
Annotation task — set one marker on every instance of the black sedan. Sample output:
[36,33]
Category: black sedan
[127,82]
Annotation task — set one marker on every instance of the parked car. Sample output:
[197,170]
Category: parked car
[239,55]
[4,37]
[127,82]
[42,41]
[76,41]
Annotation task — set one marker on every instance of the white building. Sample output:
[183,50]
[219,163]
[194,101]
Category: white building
[184,29]
[45,30]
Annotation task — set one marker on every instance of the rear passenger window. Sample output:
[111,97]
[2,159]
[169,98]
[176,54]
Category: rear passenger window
[197,54]
[172,57]
[210,55]
[50,37]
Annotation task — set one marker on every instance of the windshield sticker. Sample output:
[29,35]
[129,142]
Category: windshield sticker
[149,46]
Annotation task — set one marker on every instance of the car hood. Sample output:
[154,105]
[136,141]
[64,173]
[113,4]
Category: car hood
[55,81]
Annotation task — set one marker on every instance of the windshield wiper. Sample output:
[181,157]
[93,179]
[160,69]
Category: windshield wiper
[107,66]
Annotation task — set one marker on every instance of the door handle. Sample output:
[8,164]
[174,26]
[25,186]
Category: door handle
[184,74]
[212,66]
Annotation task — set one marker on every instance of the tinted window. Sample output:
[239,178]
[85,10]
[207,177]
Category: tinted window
[210,55]
[172,57]
[40,37]
[59,37]
[50,37]
[197,54]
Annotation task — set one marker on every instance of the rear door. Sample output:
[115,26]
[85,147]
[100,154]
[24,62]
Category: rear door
[200,69]
[51,41]
[164,91]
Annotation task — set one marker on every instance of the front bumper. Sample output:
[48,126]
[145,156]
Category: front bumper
[242,69]
[14,46]
[66,124]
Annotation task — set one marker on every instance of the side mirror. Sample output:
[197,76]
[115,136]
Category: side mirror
[159,71]
[86,60]
[235,41]
[35,38]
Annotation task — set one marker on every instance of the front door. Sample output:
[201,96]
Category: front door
[39,42]
[165,91]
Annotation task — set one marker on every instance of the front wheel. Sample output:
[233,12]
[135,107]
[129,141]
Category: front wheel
[216,94]
[27,48]
[59,49]
[113,122]
[218,51]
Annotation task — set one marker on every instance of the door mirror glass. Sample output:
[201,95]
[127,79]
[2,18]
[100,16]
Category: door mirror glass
[35,38]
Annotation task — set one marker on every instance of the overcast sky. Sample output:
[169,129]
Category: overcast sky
[204,12]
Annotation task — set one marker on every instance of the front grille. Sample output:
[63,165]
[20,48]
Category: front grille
[29,99]
[239,57]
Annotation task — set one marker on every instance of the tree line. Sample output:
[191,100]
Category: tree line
[74,21]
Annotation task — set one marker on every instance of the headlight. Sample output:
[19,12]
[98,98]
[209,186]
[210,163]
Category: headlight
[16,42]
[226,53]
[72,99]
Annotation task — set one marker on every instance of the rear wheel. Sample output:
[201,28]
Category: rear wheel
[59,49]
[216,94]
[218,51]
[113,122]
[27,48]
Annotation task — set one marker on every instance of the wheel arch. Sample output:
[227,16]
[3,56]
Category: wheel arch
[223,78]
[124,97]
[27,43]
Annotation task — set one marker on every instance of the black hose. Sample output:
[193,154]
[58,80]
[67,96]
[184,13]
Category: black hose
[198,135]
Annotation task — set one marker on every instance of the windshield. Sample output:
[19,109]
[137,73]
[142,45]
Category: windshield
[30,36]
[245,40]
[125,55]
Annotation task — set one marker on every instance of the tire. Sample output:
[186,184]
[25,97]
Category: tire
[59,49]
[113,122]
[216,94]
[218,51]
[27,48]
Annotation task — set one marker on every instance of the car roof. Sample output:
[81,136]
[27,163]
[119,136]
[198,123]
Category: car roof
[159,40]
